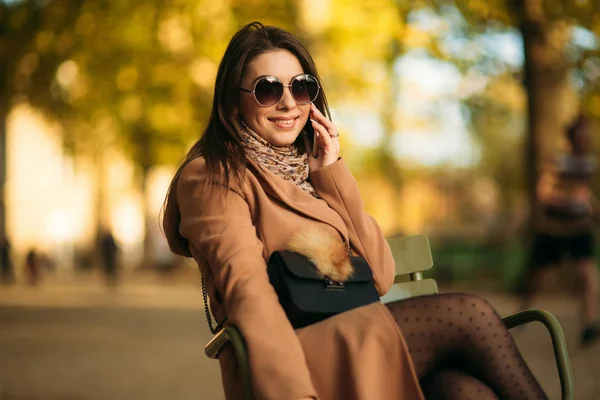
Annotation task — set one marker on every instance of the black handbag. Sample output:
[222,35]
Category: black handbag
[307,297]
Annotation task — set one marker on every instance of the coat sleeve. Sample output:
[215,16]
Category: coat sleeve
[336,185]
[221,230]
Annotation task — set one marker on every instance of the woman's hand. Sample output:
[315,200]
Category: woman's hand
[326,139]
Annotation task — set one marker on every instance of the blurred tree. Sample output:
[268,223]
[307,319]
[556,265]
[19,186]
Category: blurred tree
[138,76]
[497,119]
[28,59]
[547,28]
[356,46]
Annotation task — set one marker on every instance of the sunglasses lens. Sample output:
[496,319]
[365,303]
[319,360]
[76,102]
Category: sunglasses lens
[268,91]
[305,89]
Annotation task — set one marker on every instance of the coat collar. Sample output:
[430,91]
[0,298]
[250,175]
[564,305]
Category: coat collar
[299,200]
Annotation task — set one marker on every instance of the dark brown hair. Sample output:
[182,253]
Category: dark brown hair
[220,144]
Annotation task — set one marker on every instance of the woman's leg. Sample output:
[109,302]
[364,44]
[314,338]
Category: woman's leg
[464,332]
[451,384]
[582,252]
[546,252]
[589,276]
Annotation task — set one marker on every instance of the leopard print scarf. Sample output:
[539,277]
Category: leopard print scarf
[287,162]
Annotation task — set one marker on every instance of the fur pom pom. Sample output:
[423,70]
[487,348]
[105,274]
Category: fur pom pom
[326,251]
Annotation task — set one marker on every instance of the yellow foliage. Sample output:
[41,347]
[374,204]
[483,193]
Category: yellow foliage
[203,72]
[85,24]
[127,78]
[380,201]
[421,204]
[508,92]
[175,35]
[43,40]
[416,38]
[208,10]
[479,7]
[131,108]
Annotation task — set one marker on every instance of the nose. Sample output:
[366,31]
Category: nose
[287,101]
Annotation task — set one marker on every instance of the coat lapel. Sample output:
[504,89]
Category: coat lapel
[299,200]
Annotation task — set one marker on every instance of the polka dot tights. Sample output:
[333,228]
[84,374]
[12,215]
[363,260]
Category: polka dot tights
[452,384]
[462,350]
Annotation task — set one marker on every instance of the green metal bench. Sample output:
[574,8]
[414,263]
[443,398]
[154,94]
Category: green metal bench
[413,256]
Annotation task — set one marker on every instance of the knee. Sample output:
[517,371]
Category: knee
[475,306]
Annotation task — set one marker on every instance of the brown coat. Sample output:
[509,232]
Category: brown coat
[360,354]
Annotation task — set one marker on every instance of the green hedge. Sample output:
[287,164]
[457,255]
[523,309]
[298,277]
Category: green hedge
[496,267]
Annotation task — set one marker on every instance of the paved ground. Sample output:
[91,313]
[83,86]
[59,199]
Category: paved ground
[77,340]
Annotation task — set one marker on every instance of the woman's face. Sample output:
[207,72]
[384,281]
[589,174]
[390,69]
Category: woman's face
[279,124]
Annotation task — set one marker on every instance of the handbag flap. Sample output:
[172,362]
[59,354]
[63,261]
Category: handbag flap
[296,263]
[300,266]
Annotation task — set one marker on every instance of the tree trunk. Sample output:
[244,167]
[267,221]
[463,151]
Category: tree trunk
[546,82]
[3,165]
[145,158]
[150,222]
[102,218]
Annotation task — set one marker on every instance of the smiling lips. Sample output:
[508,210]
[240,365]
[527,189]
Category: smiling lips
[289,122]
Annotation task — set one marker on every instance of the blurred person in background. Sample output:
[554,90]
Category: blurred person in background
[566,217]
[268,166]
[109,251]
[32,267]
[7,274]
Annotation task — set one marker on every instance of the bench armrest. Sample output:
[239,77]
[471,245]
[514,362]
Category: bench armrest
[558,342]
[231,334]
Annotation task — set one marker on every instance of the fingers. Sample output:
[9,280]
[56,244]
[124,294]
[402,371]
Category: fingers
[324,121]
[322,136]
[326,143]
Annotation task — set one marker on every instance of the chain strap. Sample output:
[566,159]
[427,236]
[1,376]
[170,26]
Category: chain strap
[207,311]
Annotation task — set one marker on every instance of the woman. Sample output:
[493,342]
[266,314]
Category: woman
[249,184]
[566,218]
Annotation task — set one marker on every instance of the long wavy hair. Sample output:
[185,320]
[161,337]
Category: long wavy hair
[220,145]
